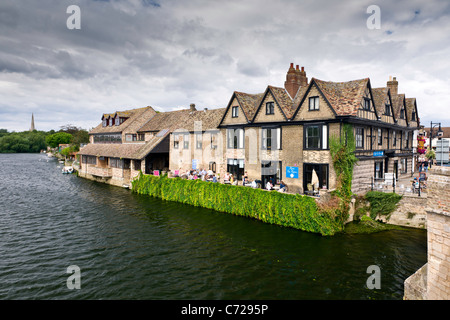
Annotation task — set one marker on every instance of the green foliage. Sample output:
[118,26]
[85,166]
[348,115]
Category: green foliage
[342,151]
[54,140]
[382,203]
[22,142]
[67,151]
[431,154]
[289,210]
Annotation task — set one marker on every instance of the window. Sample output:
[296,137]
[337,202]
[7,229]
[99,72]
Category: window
[403,165]
[213,140]
[313,103]
[413,116]
[380,137]
[116,163]
[406,137]
[234,112]
[108,138]
[271,171]
[270,109]
[359,138]
[394,138]
[104,122]
[271,139]
[387,110]
[366,104]
[321,171]
[176,141]
[212,166]
[137,164]
[316,136]
[111,121]
[198,141]
[235,138]
[236,168]
[378,174]
[89,159]
[402,114]
[186,141]
[117,121]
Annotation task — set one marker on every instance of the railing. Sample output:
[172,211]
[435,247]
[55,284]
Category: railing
[389,183]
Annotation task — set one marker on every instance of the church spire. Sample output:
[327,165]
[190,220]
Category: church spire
[32,123]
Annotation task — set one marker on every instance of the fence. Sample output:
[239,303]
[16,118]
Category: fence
[389,183]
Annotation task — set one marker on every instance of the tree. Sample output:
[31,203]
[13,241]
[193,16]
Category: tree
[54,140]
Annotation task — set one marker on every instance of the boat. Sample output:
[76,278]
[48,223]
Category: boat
[67,170]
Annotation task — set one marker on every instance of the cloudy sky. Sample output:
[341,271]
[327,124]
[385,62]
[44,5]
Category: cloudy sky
[170,53]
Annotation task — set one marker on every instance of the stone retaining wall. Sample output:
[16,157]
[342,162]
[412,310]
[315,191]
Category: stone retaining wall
[436,284]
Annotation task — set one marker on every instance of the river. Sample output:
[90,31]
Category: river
[130,246]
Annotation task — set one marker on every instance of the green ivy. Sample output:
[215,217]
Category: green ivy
[382,203]
[342,150]
[289,210]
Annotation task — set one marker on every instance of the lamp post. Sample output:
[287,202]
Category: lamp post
[439,133]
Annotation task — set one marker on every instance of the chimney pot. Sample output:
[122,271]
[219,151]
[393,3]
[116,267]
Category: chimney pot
[292,65]
[296,67]
[303,69]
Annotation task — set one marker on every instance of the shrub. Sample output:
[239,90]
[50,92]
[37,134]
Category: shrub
[289,210]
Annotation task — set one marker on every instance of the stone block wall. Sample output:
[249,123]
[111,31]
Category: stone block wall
[436,284]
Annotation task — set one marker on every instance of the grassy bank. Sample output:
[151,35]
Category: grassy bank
[289,210]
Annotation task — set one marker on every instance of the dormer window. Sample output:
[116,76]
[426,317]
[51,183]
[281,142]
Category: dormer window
[104,122]
[402,114]
[111,121]
[366,104]
[117,121]
[413,116]
[313,103]
[234,112]
[270,109]
[387,110]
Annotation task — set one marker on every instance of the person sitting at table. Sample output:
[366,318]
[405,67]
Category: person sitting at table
[245,181]
[269,185]
[254,185]
[214,179]
[226,178]
[283,186]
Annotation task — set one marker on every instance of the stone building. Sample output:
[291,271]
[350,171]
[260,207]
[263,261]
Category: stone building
[280,134]
[284,133]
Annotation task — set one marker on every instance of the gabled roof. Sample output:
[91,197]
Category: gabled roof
[398,102]
[136,119]
[248,102]
[283,99]
[379,97]
[344,97]
[411,106]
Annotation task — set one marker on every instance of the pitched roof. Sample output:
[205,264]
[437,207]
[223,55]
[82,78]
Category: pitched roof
[397,104]
[410,107]
[135,119]
[344,97]
[249,102]
[379,98]
[283,99]
[112,150]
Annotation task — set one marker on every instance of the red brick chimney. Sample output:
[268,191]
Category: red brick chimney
[295,79]
[393,85]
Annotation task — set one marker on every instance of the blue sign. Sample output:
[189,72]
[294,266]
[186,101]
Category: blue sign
[378,153]
[194,164]
[292,172]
